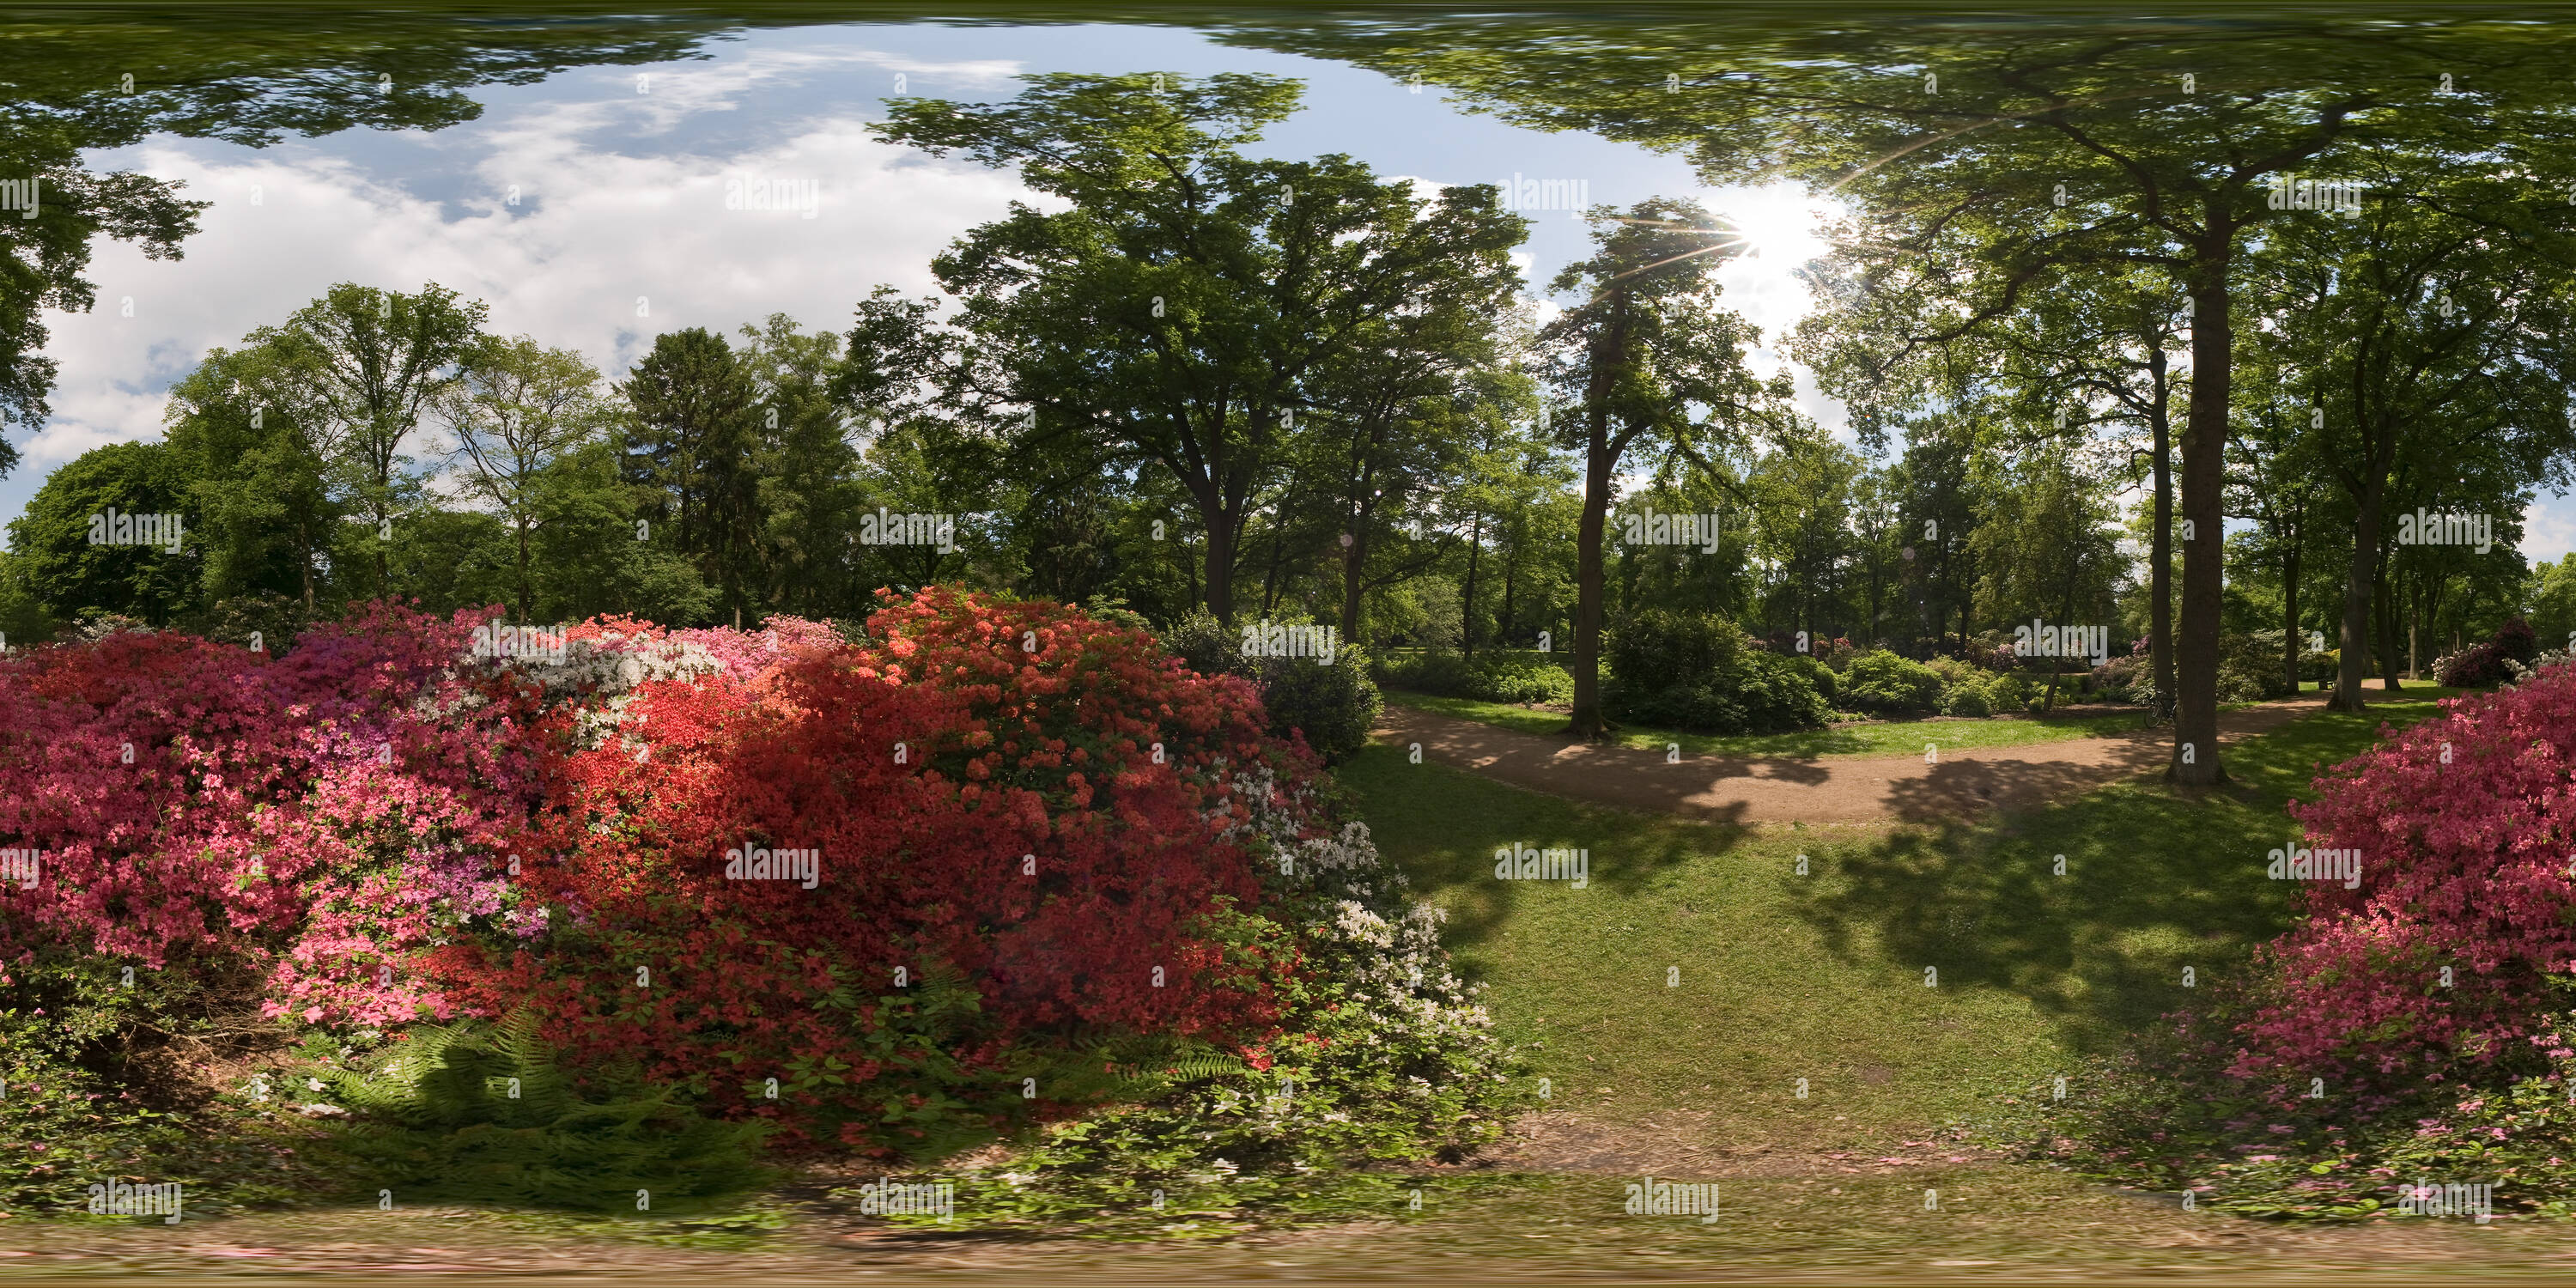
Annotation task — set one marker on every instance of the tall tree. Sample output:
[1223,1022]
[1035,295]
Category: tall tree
[257,485]
[2019,150]
[358,368]
[1647,361]
[516,409]
[693,412]
[1180,304]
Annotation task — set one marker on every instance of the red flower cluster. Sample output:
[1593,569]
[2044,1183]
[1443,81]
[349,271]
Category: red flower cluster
[325,815]
[1011,794]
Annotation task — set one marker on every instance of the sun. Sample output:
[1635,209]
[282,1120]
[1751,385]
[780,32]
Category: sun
[1779,222]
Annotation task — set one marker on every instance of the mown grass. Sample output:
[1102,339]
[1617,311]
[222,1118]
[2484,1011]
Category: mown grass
[1877,738]
[1822,976]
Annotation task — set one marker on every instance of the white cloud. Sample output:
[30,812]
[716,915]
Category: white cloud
[593,231]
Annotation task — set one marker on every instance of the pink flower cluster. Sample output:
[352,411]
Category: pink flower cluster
[324,815]
[2466,825]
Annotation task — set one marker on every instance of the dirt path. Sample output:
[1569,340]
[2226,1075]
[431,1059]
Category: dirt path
[1737,789]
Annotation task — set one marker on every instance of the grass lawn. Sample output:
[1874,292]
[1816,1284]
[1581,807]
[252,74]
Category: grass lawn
[1883,738]
[1822,976]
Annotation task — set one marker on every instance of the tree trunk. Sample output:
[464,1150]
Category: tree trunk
[1220,565]
[1354,561]
[1270,579]
[2389,680]
[526,613]
[2204,447]
[2353,638]
[2160,650]
[1598,461]
[1467,614]
[2290,609]
[1511,581]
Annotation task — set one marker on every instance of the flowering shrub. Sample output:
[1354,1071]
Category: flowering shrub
[1048,864]
[326,815]
[2491,662]
[1382,1057]
[2463,824]
[1018,817]
[2344,1064]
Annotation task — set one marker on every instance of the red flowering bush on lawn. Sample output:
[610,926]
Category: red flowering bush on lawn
[2465,825]
[1023,810]
[325,816]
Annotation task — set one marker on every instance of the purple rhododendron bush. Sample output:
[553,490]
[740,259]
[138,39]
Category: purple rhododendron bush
[2415,1026]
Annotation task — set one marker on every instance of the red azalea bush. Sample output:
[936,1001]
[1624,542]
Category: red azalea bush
[2465,826]
[1023,810]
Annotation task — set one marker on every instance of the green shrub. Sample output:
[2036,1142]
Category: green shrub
[1696,671]
[1658,649]
[2250,667]
[1880,681]
[1333,705]
[1488,677]
[1763,693]
[1822,676]
[1967,697]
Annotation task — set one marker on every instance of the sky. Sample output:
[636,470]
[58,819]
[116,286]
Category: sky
[588,210]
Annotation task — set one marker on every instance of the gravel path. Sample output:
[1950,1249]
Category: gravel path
[1840,789]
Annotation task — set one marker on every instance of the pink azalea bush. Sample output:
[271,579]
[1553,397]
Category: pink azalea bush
[323,815]
[2465,826]
[2341,1069]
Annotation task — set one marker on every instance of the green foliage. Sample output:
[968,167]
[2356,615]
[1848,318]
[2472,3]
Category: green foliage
[1828,683]
[483,1113]
[2166,1115]
[1490,676]
[1697,672]
[96,1089]
[1333,705]
[1880,681]
[2250,667]
[69,575]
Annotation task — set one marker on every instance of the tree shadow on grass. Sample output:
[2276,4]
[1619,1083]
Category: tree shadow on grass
[1441,827]
[2154,883]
